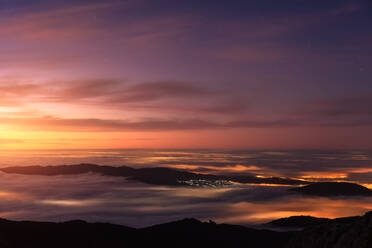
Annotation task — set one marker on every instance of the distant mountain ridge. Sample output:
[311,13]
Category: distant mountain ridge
[297,222]
[155,175]
[307,221]
[333,189]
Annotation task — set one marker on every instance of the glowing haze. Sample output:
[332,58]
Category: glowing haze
[185,74]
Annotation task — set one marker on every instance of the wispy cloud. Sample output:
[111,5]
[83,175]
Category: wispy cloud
[66,22]
[162,96]
[167,97]
[54,124]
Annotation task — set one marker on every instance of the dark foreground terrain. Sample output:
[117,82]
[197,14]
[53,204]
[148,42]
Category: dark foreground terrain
[184,233]
[353,232]
[325,233]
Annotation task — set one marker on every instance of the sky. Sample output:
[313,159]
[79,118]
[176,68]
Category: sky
[260,74]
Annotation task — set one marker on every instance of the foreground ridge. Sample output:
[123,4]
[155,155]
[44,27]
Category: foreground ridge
[351,232]
[183,233]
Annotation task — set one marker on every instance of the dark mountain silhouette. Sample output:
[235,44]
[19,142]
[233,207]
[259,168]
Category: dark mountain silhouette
[352,232]
[307,221]
[68,234]
[356,232]
[334,189]
[191,233]
[297,222]
[185,233]
[157,175]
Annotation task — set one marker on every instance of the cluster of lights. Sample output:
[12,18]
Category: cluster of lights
[207,183]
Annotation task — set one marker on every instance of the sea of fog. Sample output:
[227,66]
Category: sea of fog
[98,198]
